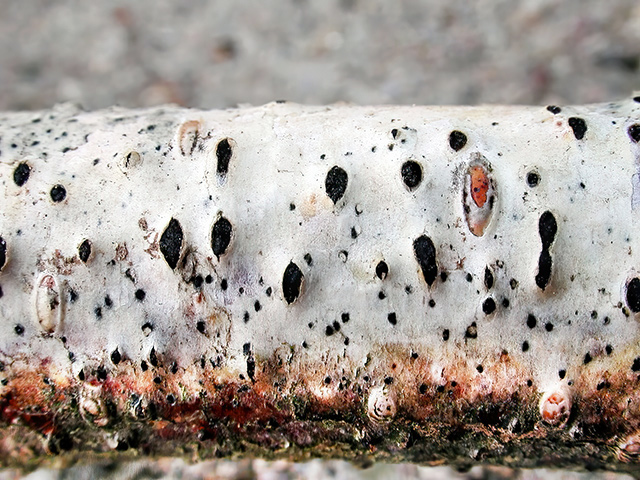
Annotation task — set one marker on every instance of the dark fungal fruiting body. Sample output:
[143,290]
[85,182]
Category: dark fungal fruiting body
[457,140]
[3,253]
[171,243]
[479,195]
[292,282]
[632,294]
[84,250]
[224,152]
[634,132]
[58,193]
[425,253]
[547,228]
[335,183]
[458,370]
[21,174]
[221,236]
[579,127]
[411,173]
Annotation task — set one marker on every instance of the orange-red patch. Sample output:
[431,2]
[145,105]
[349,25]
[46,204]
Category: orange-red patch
[479,185]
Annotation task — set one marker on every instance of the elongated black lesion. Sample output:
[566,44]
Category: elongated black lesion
[292,282]
[3,252]
[633,294]
[171,243]
[221,236]
[224,152]
[84,250]
[336,183]
[425,252]
[547,228]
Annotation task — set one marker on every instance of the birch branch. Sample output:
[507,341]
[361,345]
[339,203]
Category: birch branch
[438,285]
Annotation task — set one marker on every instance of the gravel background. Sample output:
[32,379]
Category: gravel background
[214,54]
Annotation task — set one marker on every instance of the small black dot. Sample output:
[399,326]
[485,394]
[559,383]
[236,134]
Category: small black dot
[636,364]
[292,206]
[208,279]
[445,334]
[223,154]
[292,282]
[336,326]
[444,276]
[223,284]
[531,321]
[633,295]
[171,243]
[329,331]
[594,314]
[108,302]
[21,174]
[381,295]
[553,109]
[153,357]
[198,281]
[336,183]
[489,306]
[608,349]
[97,312]
[58,193]
[116,357]
[308,259]
[157,380]
[221,236]
[533,179]
[140,294]
[440,388]
[457,140]
[636,99]
[548,326]
[246,317]
[432,303]
[354,233]
[346,340]
[382,270]
[392,318]
[81,375]
[587,358]
[345,317]
[480,369]
[579,127]
[147,326]
[200,326]
[469,278]
[411,173]
[327,380]
[268,291]
[422,389]
[488,278]
[525,346]
[505,303]
[19,329]
[171,399]
[472,331]
[101,373]
[144,366]
[529,383]
[388,380]
[513,283]
[257,306]
[562,374]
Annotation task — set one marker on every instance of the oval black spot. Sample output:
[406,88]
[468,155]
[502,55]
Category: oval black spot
[633,295]
[457,140]
[84,250]
[533,179]
[336,183]
[116,357]
[547,227]
[153,357]
[544,269]
[554,109]
[445,334]
[21,174]
[140,294]
[489,306]
[171,242]
[411,174]
[58,193]
[525,346]
[636,364]
[382,270]
[488,278]
[392,318]
[3,252]
[634,132]
[292,282]
[579,127]
[531,321]
[425,253]
[19,329]
[223,153]
[221,236]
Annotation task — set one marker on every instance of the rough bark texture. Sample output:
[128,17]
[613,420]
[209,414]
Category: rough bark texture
[434,285]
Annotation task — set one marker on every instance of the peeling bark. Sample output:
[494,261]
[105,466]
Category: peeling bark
[434,285]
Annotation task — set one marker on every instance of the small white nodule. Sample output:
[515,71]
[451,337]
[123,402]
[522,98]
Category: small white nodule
[381,406]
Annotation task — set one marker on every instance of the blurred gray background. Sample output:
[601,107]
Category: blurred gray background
[213,54]
[218,54]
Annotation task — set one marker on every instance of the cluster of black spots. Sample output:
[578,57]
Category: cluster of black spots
[425,252]
[84,250]
[116,357]
[553,109]
[547,228]
[411,173]
[445,334]
[472,331]
[335,183]
[525,346]
[533,179]
[634,132]
[457,140]
[19,329]
[292,282]
[392,318]
[579,127]
[21,174]
[633,294]
[221,236]
[223,154]
[171,243]
[58,193]
[489,306]
[382,270]
[3,252]
[488,278]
